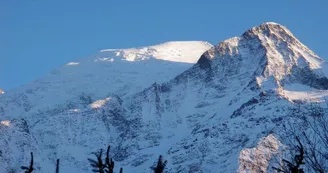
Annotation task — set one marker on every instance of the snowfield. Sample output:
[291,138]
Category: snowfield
[176,51]
[206,109]
[111,72]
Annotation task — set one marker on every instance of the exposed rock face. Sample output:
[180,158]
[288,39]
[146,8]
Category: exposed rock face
[208,118]
[271,54]
[257,159]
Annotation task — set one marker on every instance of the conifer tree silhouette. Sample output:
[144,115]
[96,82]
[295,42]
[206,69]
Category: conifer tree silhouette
[30,168]
[57,166]
[160,165]
[109,162]
[97,165]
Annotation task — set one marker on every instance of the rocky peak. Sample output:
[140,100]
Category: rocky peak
[270,29]
[268,52]
[216,110]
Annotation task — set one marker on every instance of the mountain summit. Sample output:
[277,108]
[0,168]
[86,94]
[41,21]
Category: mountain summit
[269,56]
[216,115]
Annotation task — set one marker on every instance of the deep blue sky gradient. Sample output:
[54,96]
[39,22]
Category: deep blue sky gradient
[37,36]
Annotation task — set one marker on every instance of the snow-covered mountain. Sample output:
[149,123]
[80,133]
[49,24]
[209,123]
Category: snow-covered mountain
[217,115]
[1,91]
[109,72]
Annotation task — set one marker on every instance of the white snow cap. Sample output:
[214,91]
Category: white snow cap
[1,91]
[270,27]
[271,23]
[176,51]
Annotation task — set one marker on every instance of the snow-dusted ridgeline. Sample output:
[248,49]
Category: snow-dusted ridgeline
[110,72]
[209,117]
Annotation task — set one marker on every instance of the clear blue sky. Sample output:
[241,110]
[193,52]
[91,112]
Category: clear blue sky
[37,36]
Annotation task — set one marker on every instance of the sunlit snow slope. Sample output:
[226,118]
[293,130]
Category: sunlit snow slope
[109,72]
[215,116]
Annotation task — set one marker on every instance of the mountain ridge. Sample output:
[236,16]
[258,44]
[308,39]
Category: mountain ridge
[224,108]
[170,51]
[94,77]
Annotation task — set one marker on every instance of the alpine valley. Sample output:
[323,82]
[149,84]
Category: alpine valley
[206,109]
